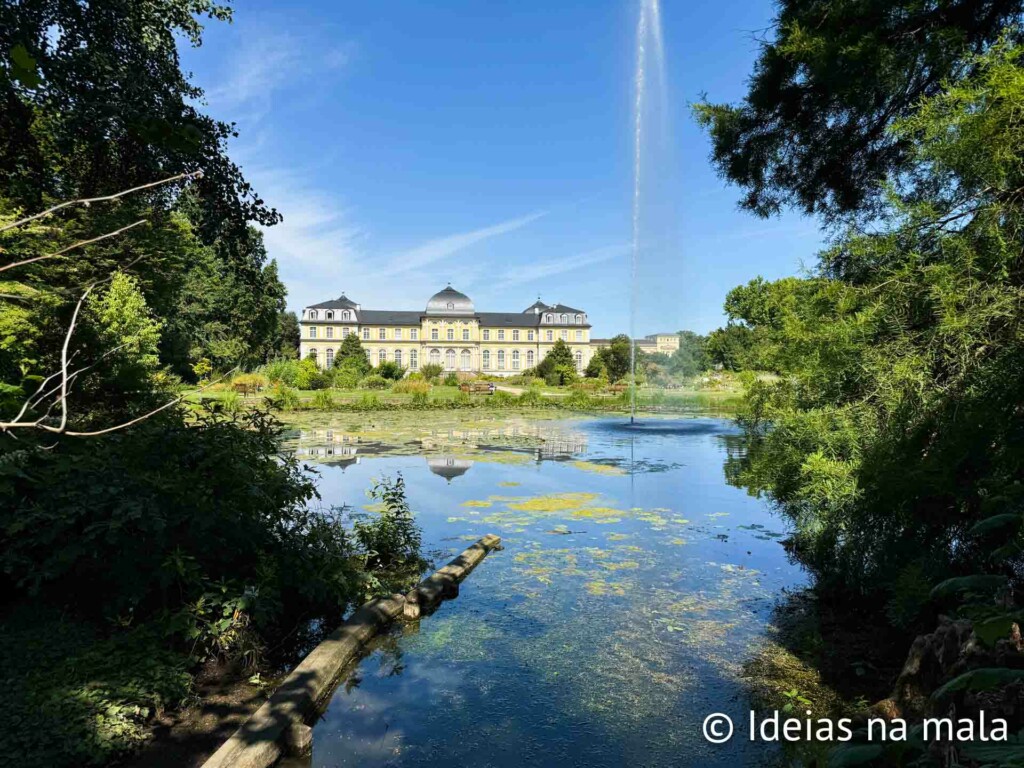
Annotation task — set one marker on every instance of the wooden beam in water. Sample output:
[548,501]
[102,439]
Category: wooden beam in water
[278,726]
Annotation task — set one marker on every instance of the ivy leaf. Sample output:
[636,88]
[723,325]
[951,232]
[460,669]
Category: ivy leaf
[984,679]
[24,67]
[995,523]
[975,583]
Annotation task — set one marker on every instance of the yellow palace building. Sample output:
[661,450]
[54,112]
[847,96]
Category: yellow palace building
[449,332]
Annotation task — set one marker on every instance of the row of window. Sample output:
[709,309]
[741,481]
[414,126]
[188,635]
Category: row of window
[500,358]
[414,334]
[346,314]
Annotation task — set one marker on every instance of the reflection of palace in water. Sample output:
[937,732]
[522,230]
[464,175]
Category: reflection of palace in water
[537,440]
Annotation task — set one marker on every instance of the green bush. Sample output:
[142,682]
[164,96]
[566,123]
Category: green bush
[431,371]
[309,375]
[281,371]
[451,379]
[502,398]
[283,398]
[410,386]
[389,369]
[323,401]
[374,381]
[232,403]
[531,397]
[390,538]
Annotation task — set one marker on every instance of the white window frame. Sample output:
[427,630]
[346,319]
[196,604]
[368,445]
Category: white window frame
[414,334]
[551,335]
[414,360]
[515,359]
[398,356]
[329,357]
[382,334]
[312,332]
[501,359]
[465,334]
[465,360]
[529,358]
[450,360]
[487,360]
[366,334]
[330,332]
[434,335]
[450,335]
[487,334]
[382,356]
[501,335]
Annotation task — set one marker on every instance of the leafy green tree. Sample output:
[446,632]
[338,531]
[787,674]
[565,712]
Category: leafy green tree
[351,355]
[893,431]
[691,358]
[288,336]
[128,325]
[431,371]
[555,363]
[595,368]
[617,357]
[815,128]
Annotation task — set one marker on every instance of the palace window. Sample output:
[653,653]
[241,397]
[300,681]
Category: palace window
[487,335]
[465,360]
[549,318]
[414,333]
[398,334]
[579,319]
[433,334]
[501,359]
[515,359]
[579,335]
[330,332]
[382,356]
[465,334]
[579,360]
[345,332]
[529,335]
[312,314]
[435,356]
[564,335]
[487,359]
[451,305]
[329,315]
[565,319]
[449,360]
[529,359]
[414,361]
[515,335]
[330,357]
[551,335]
[501,335]
[312,332]
[346,315]
[366,334]
[451,334]
[312,355]
[398,356]
[382,334]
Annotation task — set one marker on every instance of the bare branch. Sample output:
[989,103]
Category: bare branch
[87,201]
[71,247]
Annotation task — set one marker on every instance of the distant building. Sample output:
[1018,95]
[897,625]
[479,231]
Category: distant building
[666,343]
[449,331]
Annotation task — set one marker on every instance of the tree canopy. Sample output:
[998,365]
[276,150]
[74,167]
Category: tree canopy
[832,80]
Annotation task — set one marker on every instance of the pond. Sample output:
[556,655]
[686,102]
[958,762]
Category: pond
[633,584]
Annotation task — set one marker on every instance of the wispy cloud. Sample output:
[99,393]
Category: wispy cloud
[545,269]
[266,65]
[441,248]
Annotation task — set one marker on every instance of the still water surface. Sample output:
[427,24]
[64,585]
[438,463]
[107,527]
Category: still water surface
[634,583]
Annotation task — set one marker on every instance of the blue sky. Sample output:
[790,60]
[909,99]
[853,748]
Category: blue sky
[489,144]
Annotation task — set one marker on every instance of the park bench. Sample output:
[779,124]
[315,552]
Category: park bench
[477,387]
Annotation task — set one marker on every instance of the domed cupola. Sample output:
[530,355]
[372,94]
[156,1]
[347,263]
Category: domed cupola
[450,302]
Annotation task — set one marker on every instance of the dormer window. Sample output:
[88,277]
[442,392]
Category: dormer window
[312,314]
[565,319]
[346,315]
[549,318]
[451,305]
[330,315]
[579,319]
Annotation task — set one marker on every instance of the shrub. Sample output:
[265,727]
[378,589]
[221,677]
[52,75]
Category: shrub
[531,397]
[502,399]
[389,369]
[309,375]
[410,386]
[368,402]
[283,398]
[431,371]
[415,376]
[451,379]
[281,371]
[392,539]
[232,403]
[374,381]
[323,401]
[420,399]
[579,400]
[345,376]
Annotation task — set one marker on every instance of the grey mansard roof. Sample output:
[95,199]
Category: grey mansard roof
[389,317]
[342,302]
